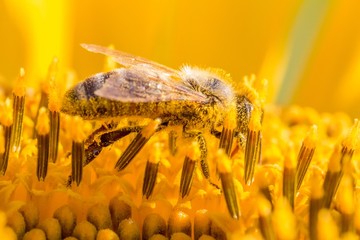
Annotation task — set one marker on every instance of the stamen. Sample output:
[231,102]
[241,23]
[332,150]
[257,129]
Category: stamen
[202,223]
[179,222]
[332,177]
[119,211]
[78,151]
[188,169]
[346,204]
[151,170]
[45,88]
[128,229]
[136,145]
[326,226]
[99,216]
[227,182]
[253,145]
[6,120]
[265,224]
[289,176]
[54,115]
[18,111]
[172,142]
[227,134]
[153,224]
[42,129]
[316,200]
[305,155]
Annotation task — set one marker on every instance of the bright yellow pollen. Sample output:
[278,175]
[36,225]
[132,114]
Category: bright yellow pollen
[6,116]
[311,138]
[255,120]
[223,162]
[19,89]
[352,139]
[150,129]
[43,124]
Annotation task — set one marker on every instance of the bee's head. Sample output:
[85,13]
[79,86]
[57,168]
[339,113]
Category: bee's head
[243,110]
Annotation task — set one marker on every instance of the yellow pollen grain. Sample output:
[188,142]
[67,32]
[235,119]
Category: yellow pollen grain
[43,123]
[156,153]
[230,120]
[223,161]
[255,120]
[78,129]
[54,99]
[352,139]
[150,129]
[19,89]
[6,116]
[311,138]
[194,151]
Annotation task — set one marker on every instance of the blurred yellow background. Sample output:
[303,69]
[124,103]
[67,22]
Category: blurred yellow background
[308,50]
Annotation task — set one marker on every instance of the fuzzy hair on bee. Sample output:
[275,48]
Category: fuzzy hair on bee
[197,99]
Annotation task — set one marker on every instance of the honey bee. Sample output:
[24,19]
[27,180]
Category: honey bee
[197,99]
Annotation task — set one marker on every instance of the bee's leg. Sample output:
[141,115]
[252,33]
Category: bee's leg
[94,147]
[136,145]
[199,137]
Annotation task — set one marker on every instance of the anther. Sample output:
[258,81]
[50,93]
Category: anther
[305,155]
[137,144]
[227,134]
[253,145]
[42,129]
[151,170]
[78,151]
[18,111]
[332,177]
[67,220]
[172,142]
[289,176]
[187,173]
[54,115]
[6,120]
[227,182]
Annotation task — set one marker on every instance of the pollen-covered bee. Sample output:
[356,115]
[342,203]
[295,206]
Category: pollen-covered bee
[197,99]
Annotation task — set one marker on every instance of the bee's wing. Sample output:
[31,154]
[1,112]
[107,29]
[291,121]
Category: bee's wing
[146,84]
[126,59]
